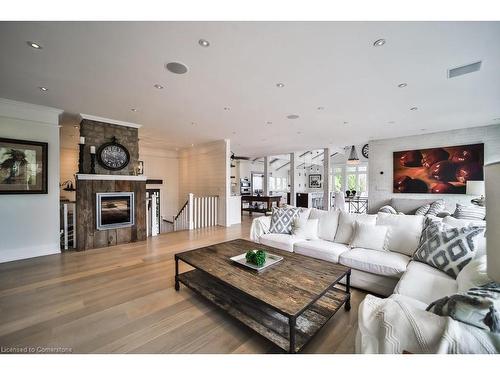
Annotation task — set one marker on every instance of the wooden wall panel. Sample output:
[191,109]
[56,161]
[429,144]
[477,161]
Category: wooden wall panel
[88,237]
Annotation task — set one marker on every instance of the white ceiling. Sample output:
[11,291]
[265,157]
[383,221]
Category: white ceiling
[107,68]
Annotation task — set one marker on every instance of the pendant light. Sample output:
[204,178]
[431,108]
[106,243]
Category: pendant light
[353,157]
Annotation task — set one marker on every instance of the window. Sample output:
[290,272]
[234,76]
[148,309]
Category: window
[351,177]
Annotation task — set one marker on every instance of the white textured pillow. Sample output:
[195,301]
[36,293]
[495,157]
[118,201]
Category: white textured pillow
[345,229]
[306,229]
[328,224]
[404,231]
[369,236]
[473,274]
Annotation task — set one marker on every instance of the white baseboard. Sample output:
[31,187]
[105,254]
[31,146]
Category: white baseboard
[10,255]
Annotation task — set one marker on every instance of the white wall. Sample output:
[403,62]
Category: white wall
[29,223]
[163,164]
[381,159]
[204,170]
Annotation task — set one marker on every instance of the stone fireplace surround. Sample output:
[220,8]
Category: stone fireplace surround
[96,132]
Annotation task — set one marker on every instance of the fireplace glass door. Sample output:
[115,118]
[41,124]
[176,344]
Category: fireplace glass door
[114,210]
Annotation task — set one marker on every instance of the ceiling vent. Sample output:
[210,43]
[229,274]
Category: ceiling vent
[466,69]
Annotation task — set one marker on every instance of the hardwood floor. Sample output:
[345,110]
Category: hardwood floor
[122,300]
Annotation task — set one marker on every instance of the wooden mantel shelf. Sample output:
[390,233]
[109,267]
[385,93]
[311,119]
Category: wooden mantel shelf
[110,177]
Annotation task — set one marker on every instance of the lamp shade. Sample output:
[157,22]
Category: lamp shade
[353,156]
[492,179]
[475,188]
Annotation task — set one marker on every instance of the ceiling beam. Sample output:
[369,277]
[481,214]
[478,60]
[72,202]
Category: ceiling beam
[284,165]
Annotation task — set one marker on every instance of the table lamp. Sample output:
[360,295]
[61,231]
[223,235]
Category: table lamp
[492,178]
[476,188]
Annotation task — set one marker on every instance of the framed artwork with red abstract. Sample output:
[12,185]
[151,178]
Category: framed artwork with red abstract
[442,170]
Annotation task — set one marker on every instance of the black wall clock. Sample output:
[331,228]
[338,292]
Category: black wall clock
[113,156]
[365,150]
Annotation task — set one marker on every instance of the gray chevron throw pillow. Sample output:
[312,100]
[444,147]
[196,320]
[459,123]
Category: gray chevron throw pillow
[446,248]
[282,219]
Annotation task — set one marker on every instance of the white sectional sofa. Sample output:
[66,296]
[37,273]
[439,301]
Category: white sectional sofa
[398,323]
[372,270]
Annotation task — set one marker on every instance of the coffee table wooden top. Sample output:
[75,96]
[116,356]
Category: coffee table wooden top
[288,287]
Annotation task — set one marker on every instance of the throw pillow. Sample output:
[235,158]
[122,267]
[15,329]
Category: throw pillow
[436,207]
[388,210]
[369,236]
[447,249]
[469,212]
[478,307]
[345,229]
[479,241]
[306,229]
[404,231]
[282,219]
[423,210]
[473,274]
[328,224]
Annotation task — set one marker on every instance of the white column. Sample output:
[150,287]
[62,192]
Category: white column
[326,180]
[190,212]
[293,179]
[492,196]
[266,175]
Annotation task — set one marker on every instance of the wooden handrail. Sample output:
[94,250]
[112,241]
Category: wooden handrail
[180,211]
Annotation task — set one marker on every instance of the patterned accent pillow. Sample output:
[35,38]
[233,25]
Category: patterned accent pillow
[388,210]
[469,212]
[282,219]
[436,207]
[445,248]
[423,210]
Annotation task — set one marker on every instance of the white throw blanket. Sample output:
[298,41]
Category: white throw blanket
[260,226]
[393,325]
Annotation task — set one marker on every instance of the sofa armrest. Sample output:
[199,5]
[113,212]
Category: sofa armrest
[260,226]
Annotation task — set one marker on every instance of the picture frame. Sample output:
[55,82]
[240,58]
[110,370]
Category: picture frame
[23,166]
[438,170]
[315,181]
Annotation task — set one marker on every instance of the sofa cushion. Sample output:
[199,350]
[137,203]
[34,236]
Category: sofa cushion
[280,241]
[321,249]
[425,283]
[383,263]
[345,228]
[305,229]
[369,236]
[479,241]
[404,231]
[436,207]
[409,205]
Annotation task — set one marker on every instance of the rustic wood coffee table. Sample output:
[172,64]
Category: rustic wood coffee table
[287,303]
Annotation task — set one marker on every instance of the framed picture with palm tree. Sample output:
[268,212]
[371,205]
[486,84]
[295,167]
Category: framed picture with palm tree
[23,167]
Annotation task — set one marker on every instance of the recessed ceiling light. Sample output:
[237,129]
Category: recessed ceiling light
[158,86]
[379,42]
[134,109]
[280,85]
[320,108]
[227,108]
[193,123]
[41,88]
[203,43]
[34,45]
[401,85]
[345,123]
[413,108]
[176,67]
[192,144]
[292,117]
[269,122]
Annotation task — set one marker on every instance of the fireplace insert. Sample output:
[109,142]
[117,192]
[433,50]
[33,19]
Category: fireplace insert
[114,210]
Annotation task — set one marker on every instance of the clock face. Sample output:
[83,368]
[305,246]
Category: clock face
[365,150]
[113,156]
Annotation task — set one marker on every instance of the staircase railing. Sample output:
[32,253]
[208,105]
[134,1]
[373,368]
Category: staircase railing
[197,212]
